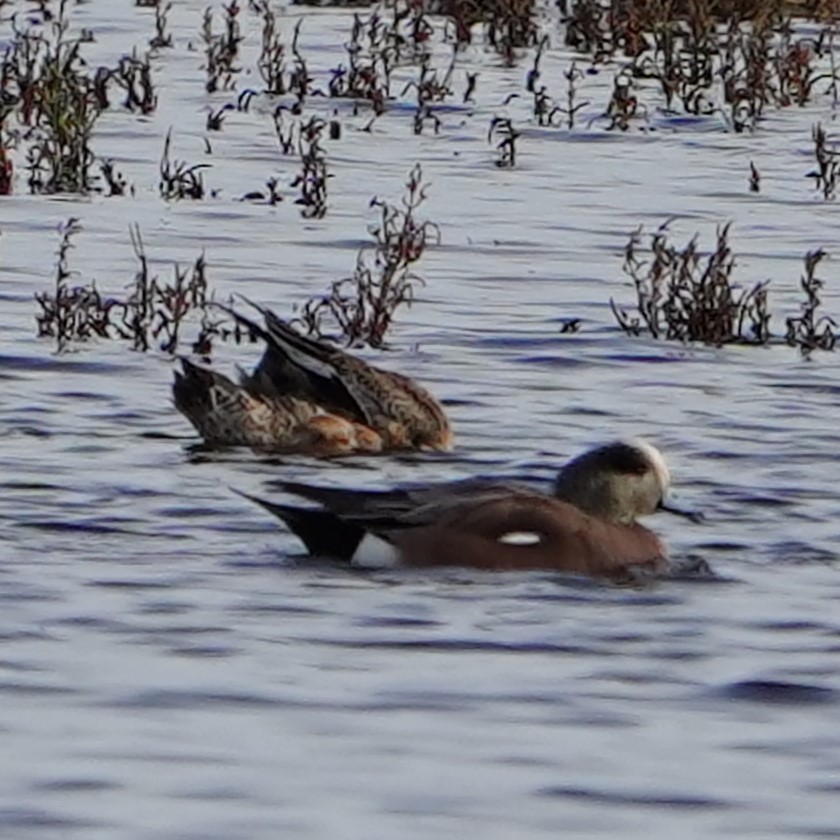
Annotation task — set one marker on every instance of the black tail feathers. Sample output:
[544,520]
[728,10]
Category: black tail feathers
[323,533]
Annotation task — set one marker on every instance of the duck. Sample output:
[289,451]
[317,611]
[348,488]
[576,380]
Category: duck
[308,396]
[229,414]
[586,525]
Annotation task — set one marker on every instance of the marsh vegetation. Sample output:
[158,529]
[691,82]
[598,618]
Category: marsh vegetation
[732,62]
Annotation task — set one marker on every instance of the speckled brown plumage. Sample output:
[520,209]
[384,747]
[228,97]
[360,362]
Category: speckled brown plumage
[229,414]
[401,411]
[308,396]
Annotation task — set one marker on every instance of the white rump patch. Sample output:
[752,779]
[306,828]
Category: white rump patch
[521,538]
[375,553]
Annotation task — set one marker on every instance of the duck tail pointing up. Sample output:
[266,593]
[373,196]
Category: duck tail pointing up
[323,533]
[199,390]
[294,342]
[252,326]
[299,348]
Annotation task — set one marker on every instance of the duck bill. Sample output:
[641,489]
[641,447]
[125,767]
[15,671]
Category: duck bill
[693,515]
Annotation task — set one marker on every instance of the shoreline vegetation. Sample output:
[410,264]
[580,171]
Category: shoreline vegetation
[732,61]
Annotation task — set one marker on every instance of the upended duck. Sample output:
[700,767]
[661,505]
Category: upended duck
[310,397]
[588,525]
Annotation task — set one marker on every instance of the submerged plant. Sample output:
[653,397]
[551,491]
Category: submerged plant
[811,331]
[431,86]
[734,56]
[682,296]
[572,76]
[179,179]
[272,59]
[372,51]
[312,180]
[134,76]
[825,175]
[221,50]
[154,311]
[58,101]
[502,127]
[114,179]
[508,25]
[151,314]
[363,306]
[272,64]
[755,178]
[161,38]
[71,313]
[623,105]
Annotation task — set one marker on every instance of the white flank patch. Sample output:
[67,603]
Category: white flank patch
[520,538]
[375,553]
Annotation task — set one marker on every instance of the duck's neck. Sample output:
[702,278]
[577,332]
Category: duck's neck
[591,492]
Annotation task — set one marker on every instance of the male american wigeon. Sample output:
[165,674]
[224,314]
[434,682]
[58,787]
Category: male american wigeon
[308,396]
[587,526]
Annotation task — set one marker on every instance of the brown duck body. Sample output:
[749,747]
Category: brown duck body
[496,525]
[228,414]
[530,532]
[306,396]
[402,412]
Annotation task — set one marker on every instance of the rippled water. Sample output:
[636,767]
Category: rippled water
[168,670]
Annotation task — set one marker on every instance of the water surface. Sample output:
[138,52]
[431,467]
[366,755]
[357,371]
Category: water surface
[169,667]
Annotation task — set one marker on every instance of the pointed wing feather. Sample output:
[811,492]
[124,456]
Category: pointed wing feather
[403,507]
[304,366]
